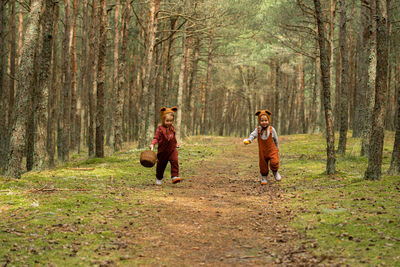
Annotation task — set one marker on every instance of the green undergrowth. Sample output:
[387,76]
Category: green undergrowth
[343,216]
[82,213]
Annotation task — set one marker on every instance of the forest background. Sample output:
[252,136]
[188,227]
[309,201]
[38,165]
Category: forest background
[78,75]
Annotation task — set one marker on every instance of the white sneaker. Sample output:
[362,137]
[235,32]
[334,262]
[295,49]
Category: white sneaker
[264,180]
[158,182]
[277,176]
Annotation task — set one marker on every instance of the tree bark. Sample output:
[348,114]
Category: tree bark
[301,99]
[362,69]
[3,70]
[395,162]
[147,114]
[12,58]
[65,97]
[40,114]
[343,85]
[206,125]
[181,83]
[371,77]
[374,169]
[116,122]
[53,92]
[25,77]
[120,96]
[101,79]
[324,54]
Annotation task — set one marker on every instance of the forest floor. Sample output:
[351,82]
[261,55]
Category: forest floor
[109,212]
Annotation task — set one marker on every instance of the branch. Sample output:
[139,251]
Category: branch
[171,35]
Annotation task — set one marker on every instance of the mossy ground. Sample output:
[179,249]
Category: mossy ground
[98,211]
[347,216]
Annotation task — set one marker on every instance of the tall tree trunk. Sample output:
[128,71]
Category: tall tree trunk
[74,89]
[192,85]
[116,122]
[170,60]
[276,121]
[371,76]
[374,169]
[83,79]
[12,58]
[362,69]
[122,77]
[65,97]
[147,115]
[181,83]
[40,114]
[3,70]
[53,91]
[206,126]
[324,54]
[101,79]
[301,99]
[395,162]
[343,85]
[92,73]
[25,78]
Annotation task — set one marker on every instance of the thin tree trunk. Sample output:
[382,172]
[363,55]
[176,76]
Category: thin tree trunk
[301,99]
[25,78]
[276,121]
[74,89]
[192,85]
[121,81]
[101,79]
[40,114]
[116,122]
[371,76]
[395,162]
[65,98]
[343,85]
[83,78]
[12,58]
[147,115]
[362,70]
[52,113]
[206,126]
[374,169]
[92,84]
[330,134]
[3,70]
[180,90]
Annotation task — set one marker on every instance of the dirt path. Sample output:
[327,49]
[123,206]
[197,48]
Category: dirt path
[221,216]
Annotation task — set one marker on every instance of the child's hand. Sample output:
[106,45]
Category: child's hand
[151,147]
[246,141]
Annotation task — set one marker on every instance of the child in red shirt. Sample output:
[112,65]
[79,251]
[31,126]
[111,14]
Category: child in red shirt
[167,146]
[268,146]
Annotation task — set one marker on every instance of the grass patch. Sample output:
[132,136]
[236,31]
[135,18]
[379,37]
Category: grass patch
[343,215]
[83,212]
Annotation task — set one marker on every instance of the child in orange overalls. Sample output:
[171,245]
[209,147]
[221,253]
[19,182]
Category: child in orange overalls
[167,146]
[268,146]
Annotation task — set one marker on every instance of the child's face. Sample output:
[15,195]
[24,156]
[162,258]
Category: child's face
[169,119]
[264,122]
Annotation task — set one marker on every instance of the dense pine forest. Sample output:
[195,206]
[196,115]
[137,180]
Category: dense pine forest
[81,75]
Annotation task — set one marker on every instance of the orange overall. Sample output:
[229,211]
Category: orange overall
[267,152]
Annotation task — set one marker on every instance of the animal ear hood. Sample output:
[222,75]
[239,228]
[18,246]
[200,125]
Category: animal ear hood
[164,111]
[265,112]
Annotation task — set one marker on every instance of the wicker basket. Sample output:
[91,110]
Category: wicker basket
[148,158]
